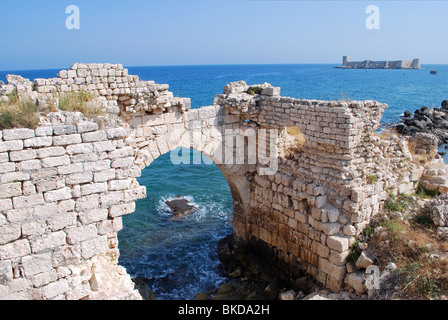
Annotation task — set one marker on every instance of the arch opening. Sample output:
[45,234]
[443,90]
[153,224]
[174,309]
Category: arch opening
[178,258]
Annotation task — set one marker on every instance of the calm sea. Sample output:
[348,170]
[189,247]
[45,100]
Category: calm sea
[179,258]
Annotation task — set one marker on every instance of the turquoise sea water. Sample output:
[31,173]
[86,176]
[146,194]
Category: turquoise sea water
[179,258]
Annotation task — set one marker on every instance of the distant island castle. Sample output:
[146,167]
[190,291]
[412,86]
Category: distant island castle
[369,64]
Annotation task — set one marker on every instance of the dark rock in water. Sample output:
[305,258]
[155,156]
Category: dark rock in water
[444,104]
[143,288]
[407,114]
[181,207]
[433,121]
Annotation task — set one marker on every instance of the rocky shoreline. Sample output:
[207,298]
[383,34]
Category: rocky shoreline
[433,121]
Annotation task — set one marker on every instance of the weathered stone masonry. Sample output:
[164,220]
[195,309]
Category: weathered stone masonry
[65,185]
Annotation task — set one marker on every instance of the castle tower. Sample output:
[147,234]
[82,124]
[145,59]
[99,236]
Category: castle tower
[345,60]
[415,64]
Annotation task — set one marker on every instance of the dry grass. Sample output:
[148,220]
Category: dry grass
[79,102]
[411,244]
[387,133]
[19,114]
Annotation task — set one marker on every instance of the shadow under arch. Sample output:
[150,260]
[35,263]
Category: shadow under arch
[153,247]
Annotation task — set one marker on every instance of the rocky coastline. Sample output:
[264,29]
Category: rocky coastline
[426,121]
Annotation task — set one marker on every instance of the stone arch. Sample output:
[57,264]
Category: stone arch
[201,130]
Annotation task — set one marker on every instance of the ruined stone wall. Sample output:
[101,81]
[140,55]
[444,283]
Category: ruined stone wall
[65,185]
[330,182]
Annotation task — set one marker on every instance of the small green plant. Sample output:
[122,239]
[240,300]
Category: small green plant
[13,97]
[354,254]
[372,179]
[394,225]
[393,205]
[254,90]
[424,219]
[424,193]
[423,284]
[368,230]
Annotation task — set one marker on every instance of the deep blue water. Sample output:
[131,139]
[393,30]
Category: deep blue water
[179,257]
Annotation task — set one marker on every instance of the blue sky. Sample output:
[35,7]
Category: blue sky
[189,32]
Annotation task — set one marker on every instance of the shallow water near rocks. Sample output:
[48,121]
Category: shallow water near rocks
[177,257]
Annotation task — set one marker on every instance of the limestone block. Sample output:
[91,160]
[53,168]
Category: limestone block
[45,278]
[320,249]
[80,148]
[349,230]
[27,201]
[55,161]
[123,162]
[135,193]
[67,139]
[91,216]
[338,243]
[58,195]
[81,233]
[356,281]
[121,209]
[338,258]
[121,153]
[14,145]
[97,165]
[91,188]
[64,129]
[119,184]
[16,249]
[5,204]
[116,133]
[60,221]
[110,226]
[22,155]
[50,152]
[4,157]
[17,134]
[47,242]
[87,202]
[103,146]
[37,263]
[71,168]
[29,165]
[111,198]
[10,232]
[321,201]
[105,175]
[71,74]
[94,247]
[7,167]
[55,289]
[14,176]
[363,261]
[86,126]
[334,271]
[94,136]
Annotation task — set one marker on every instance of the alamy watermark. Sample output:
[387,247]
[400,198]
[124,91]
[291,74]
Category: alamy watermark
[73,21]
[372,277]
[373,20]
[234,146]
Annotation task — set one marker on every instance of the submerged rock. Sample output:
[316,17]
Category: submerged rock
[181,207]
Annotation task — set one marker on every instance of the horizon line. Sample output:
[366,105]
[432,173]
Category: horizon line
[196,65]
